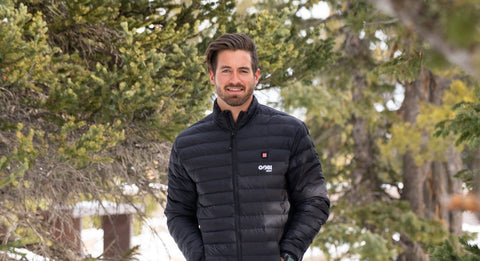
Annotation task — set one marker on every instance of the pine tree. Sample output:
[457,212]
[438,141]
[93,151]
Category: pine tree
[93,92]
[349,111]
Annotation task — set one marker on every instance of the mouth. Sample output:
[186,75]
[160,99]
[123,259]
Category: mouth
[235,89]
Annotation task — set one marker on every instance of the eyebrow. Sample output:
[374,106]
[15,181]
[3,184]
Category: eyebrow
[230,67]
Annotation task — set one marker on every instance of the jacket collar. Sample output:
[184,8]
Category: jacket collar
[225,119]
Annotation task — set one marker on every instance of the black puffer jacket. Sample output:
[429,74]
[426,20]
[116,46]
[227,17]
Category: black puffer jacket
[245,191]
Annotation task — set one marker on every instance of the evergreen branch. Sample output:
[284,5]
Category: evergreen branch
[391,21]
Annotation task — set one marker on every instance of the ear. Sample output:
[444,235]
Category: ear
[212,77]
[257,76]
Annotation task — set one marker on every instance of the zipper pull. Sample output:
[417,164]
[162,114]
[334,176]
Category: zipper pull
[232,136]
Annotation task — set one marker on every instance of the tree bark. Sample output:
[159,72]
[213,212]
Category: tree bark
[412,250]
[413,175]
[427,186]
[365,183]
[440,181]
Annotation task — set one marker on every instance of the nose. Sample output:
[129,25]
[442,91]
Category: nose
[235,79]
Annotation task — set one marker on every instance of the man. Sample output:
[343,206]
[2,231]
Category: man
[245,183]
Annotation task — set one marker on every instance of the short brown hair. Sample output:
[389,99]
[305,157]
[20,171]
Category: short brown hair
[234,41]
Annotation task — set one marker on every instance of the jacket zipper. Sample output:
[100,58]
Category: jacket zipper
[233,142]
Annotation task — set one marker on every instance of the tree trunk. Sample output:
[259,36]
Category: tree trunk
[439,185]
[412,250]
[428,186]
[365,183]
[440,182]
[413,175]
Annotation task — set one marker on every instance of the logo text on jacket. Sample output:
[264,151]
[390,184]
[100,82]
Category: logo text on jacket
[266,168]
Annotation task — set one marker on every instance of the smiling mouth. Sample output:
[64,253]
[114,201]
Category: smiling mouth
[234,88]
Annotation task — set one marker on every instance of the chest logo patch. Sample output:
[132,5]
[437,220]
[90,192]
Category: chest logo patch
[266,168]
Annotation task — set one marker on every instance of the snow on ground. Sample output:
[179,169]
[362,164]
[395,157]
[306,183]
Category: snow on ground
[156,244]
[471,224]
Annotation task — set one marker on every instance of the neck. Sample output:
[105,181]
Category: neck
[235,110]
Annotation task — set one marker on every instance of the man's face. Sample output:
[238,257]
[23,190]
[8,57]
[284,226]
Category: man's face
[234,78]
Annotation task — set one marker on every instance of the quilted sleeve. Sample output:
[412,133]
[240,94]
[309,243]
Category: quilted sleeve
[181,211]
[309,202]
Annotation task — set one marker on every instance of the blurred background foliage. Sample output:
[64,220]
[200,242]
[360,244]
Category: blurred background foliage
[93,92]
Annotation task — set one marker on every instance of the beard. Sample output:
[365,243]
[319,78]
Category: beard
[235,100]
